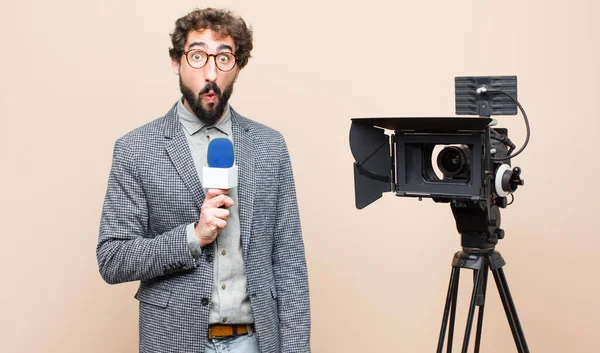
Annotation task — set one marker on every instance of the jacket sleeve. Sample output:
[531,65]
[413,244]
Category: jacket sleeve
[126,251]
[289,264]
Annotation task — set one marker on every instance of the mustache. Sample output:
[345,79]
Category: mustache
[211,86]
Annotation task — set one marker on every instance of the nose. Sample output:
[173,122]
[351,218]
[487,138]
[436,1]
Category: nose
[210,70]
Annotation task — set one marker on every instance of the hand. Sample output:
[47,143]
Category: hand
[213,215]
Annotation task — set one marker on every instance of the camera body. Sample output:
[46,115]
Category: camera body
[461,164]
[406,161]
[463,161]
[454,160]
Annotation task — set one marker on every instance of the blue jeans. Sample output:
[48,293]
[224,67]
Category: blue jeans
[235,344]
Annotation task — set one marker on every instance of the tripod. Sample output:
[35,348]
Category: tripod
[479,260]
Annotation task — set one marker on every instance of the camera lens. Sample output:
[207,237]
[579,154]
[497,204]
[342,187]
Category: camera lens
[453,161]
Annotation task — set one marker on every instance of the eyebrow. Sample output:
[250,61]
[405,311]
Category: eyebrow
[219,48]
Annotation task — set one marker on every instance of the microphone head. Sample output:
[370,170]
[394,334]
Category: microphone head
[220,153]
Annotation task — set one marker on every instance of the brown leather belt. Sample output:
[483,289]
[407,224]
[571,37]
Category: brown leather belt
[220,330]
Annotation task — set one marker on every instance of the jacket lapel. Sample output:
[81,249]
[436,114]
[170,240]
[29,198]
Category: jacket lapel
[244,155]
[179,152]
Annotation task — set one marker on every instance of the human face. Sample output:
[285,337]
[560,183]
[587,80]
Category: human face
[206,90]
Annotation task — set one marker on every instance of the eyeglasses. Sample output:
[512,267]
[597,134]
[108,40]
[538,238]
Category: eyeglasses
[198,58]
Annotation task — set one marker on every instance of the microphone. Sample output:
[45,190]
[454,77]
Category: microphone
[220,172]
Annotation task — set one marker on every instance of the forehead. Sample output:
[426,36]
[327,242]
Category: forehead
[208,39]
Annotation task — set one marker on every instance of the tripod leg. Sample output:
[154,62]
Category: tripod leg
[449,299]
[478,280]
[511,311]
[482,306]
[453,312]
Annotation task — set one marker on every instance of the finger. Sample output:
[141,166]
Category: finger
[210,222]
[220,213]
[219,223]
[218,201]
[209,214]
[212,193]
[227,202]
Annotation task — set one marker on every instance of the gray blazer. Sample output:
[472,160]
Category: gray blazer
[154,192]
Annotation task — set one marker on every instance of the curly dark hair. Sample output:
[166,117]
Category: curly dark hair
[223,22]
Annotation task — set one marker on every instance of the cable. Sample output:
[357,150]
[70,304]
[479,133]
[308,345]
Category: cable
[502,138]
[483,90]
[511,201]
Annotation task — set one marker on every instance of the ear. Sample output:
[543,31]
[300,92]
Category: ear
[175,65]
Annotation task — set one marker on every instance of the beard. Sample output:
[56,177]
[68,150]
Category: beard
[213,112]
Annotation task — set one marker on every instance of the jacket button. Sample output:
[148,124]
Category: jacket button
[204,301]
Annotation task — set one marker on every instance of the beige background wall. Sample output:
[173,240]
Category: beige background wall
[76,75]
